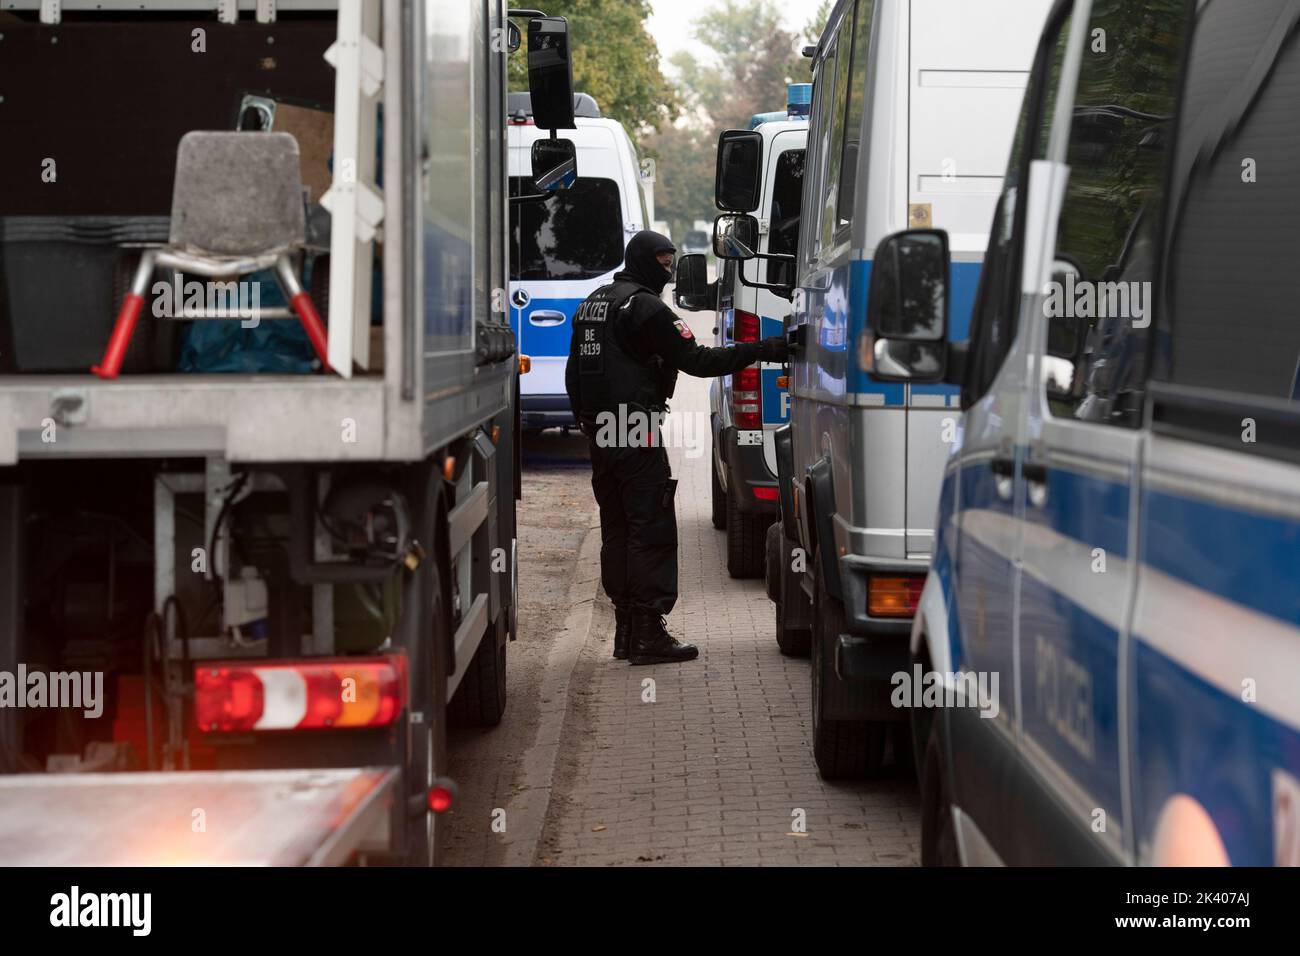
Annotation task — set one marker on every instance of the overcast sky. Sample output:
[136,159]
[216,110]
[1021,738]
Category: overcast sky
[670,23]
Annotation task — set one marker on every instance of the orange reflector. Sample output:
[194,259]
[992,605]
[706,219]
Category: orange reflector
[496,433]
[783,381]
[449,467]
[525,365]
[894,596]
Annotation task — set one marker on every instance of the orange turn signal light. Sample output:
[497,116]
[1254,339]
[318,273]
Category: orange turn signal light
[783,381]
[894,596]
[525,364]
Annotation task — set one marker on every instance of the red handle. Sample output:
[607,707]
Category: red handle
[121,337]
[310,320]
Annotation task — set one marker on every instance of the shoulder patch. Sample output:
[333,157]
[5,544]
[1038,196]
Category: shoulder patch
[683,329]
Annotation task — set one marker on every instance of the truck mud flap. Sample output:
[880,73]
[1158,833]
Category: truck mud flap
[783,440]
[821,500]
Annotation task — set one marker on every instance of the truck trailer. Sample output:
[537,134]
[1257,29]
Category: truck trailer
[258,414]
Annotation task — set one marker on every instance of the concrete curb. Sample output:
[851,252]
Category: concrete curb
[536,774]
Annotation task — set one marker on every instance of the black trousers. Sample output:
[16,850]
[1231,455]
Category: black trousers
[638,526]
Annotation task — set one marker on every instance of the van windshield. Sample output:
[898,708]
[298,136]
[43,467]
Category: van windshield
[576,233]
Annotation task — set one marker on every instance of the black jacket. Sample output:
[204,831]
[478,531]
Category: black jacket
[650,346]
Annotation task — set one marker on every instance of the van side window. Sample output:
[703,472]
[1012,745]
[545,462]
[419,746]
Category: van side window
[1228,317]
[997,302]
[855,110]
[829,220]
[1099,304]
[783,226]
[819,147]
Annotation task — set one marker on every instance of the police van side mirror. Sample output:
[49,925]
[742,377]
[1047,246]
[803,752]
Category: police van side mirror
[907,308]
[692,291]
[550,73]
[735,236]
[555,164]
[737,182]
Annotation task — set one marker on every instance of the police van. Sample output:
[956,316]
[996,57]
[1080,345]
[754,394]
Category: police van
[565,244]
[746,408]
[1119,525]
[914,106]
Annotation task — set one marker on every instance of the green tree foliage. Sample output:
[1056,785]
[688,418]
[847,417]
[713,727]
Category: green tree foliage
[752,58]
[614,59]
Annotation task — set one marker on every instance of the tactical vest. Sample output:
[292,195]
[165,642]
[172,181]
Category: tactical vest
[611,373]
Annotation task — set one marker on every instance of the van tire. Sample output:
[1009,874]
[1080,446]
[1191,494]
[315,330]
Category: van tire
[746,541]
[480,699]
[842,749]
[938,832]
[719,498]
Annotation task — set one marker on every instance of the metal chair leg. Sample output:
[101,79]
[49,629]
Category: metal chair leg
[132,302]
[306,309]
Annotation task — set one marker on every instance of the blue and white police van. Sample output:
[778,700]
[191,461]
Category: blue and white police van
[1118,547]
[565,244]
[914,108]
[746,408]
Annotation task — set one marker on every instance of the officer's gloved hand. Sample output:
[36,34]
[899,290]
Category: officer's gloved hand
[774,349]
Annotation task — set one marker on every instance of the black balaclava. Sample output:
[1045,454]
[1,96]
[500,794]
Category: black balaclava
[639,262]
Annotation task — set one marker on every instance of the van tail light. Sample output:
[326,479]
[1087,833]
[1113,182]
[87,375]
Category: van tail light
[746,386]
[320,694]
[895,595]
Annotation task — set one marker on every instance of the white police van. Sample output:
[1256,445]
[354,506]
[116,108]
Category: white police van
[914,107]
[565,244]
[747,407]
[1119,526]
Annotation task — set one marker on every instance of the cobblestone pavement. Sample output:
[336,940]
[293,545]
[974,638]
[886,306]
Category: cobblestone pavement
[712,762]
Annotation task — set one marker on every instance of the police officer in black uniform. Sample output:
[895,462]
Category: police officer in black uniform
[624,356]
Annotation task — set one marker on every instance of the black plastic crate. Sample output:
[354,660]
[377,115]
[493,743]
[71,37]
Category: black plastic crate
[62,279]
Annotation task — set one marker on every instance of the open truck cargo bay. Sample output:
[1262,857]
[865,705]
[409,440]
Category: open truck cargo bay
[326,493]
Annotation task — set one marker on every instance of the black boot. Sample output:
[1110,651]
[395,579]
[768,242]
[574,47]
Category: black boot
[652,644]
[622,632]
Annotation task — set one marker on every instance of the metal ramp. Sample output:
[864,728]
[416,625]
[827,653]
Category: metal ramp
[220,818]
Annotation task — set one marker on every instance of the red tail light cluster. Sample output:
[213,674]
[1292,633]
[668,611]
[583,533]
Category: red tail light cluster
[234,696]
[746,385]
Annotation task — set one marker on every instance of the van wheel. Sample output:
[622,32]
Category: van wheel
[719,498]
[938,832]
[481,697]
[793,635]
[746,536]
[842,749]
